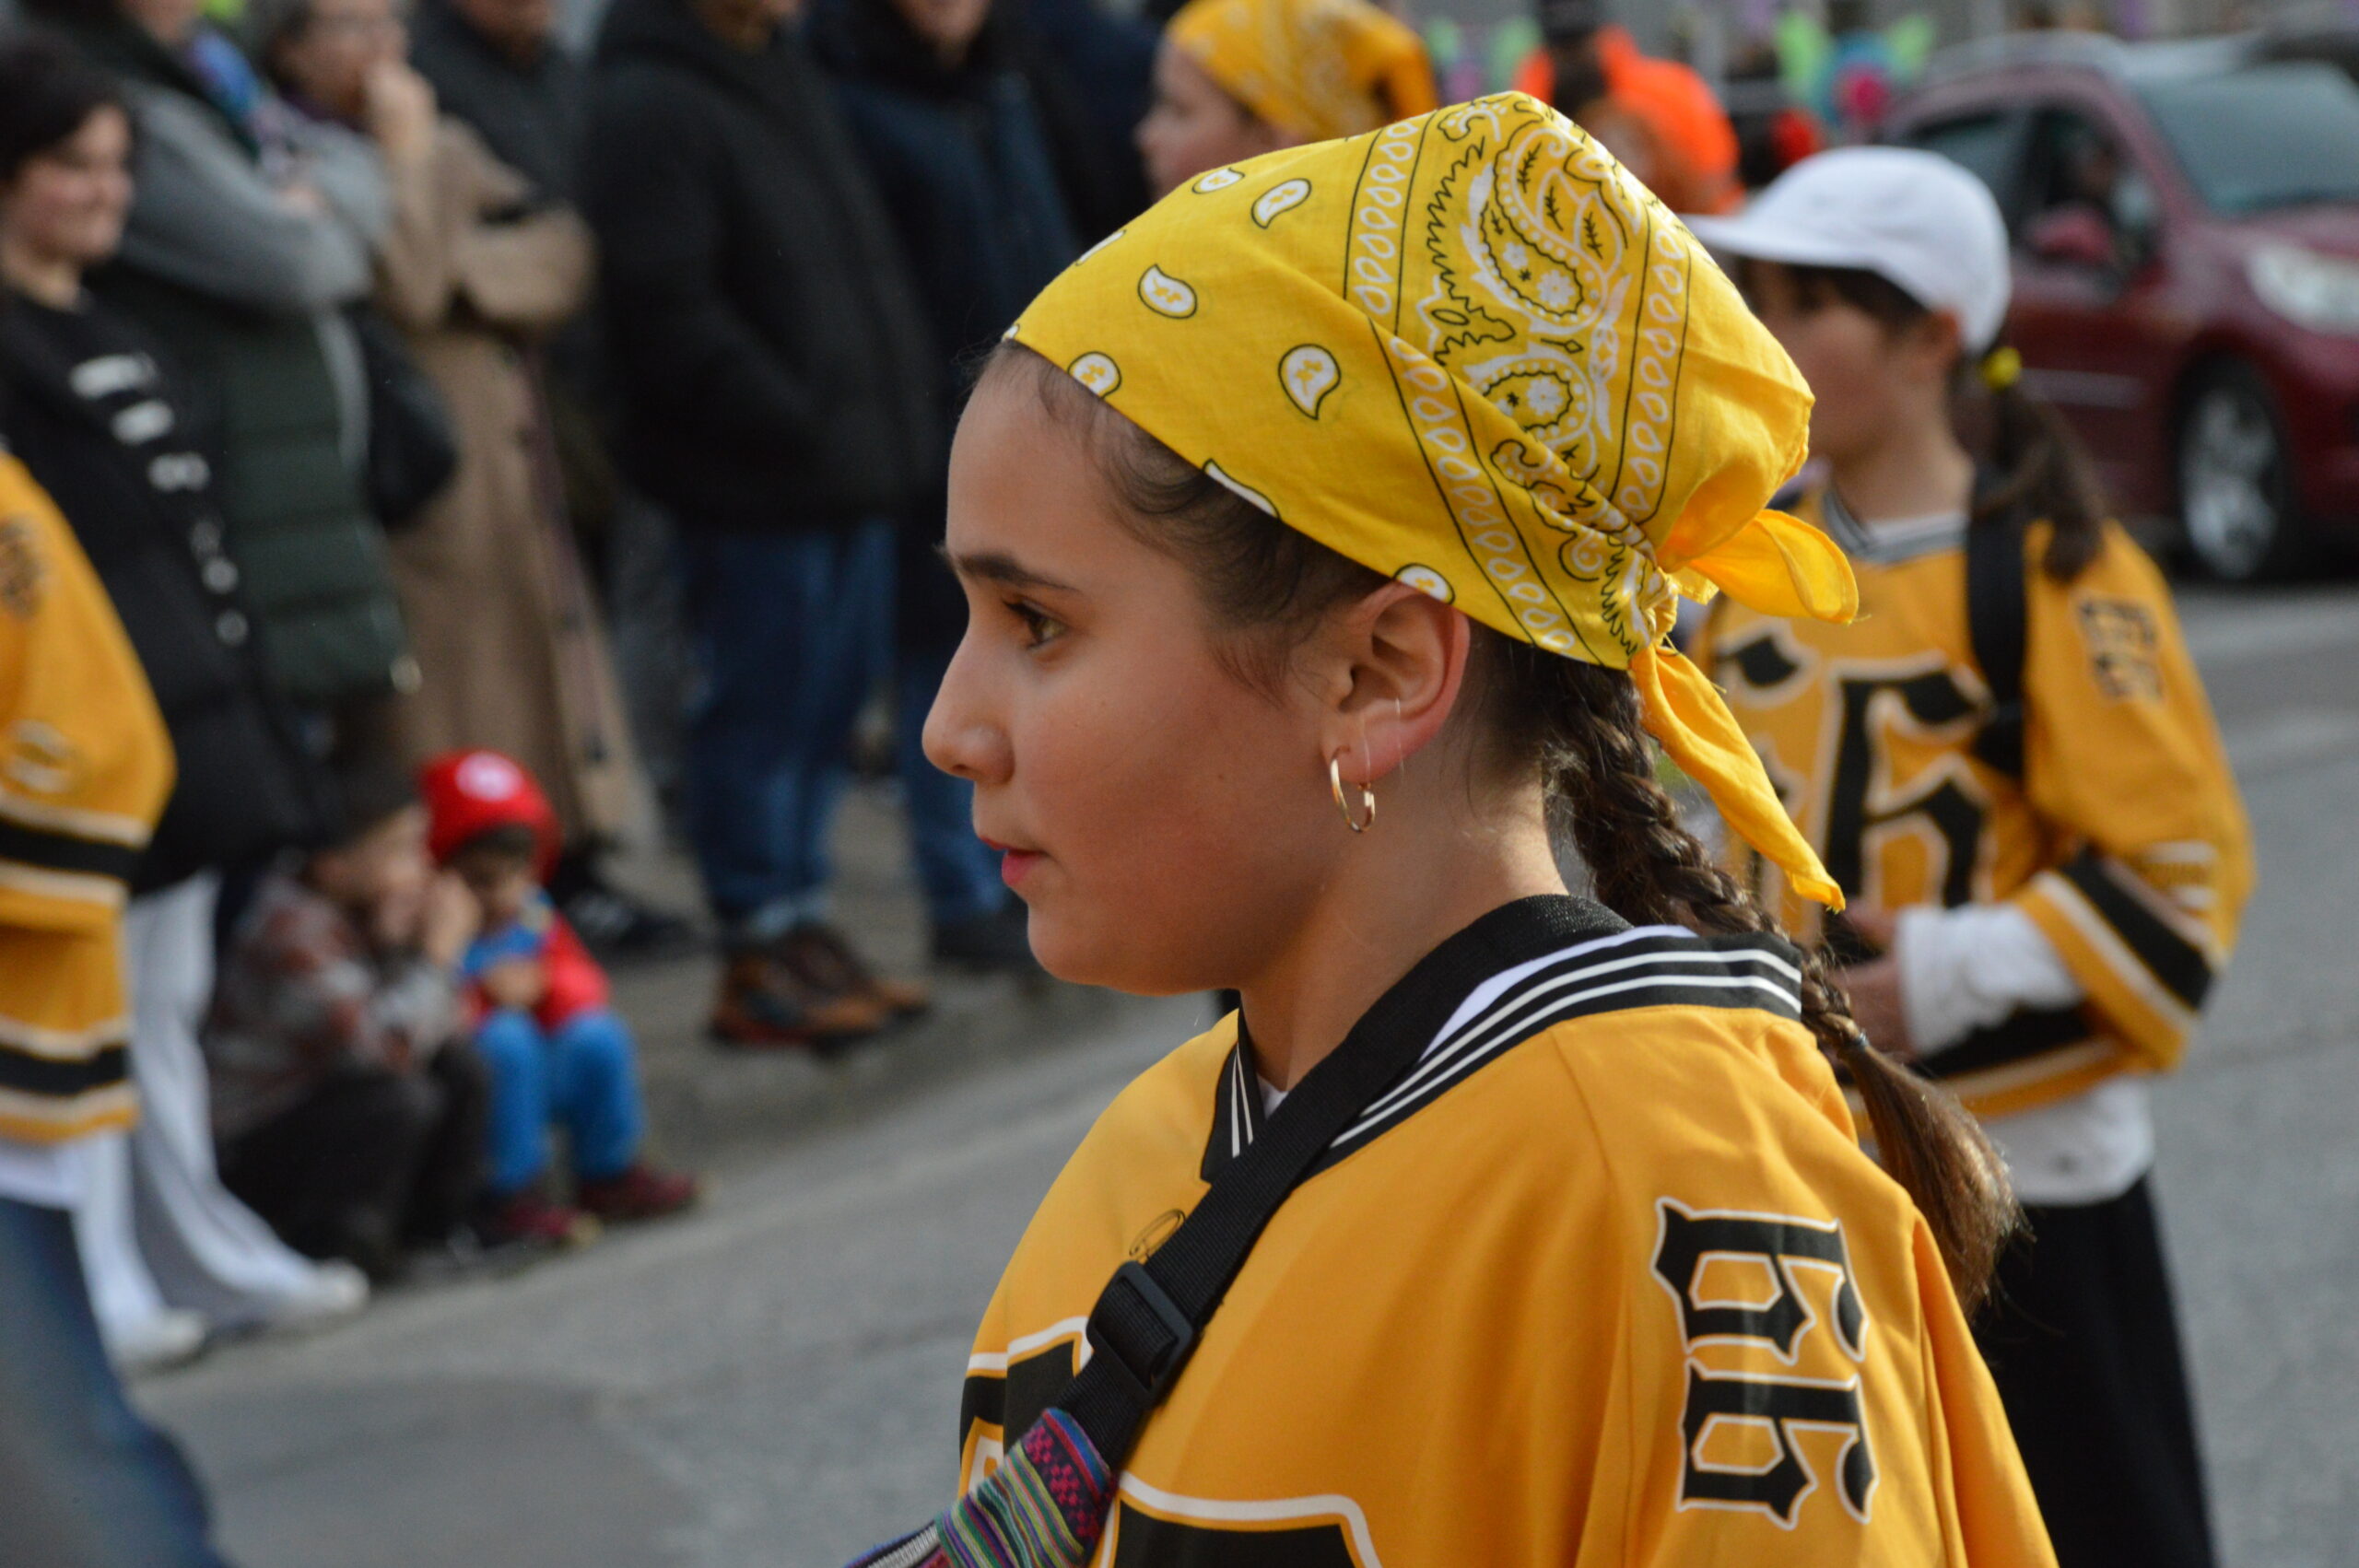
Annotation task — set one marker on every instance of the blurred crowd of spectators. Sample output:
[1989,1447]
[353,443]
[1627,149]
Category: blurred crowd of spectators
[393,370]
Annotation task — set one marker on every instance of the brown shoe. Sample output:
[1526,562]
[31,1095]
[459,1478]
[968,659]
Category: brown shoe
[819,956]
[527,1219]
[763,1005]
[639,1192]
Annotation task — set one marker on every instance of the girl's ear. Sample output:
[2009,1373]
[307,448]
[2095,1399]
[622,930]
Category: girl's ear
[1933,345]
[1395,666]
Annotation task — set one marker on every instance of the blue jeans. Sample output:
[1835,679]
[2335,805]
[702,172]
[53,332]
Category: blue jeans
[84,1483]
[583,1075]
[959,873]
[792,632]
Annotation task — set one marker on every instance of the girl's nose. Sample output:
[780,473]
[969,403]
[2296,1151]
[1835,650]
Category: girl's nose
[962,736]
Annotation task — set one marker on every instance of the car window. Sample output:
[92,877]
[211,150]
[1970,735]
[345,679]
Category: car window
[1987,144]
[2269,136]
[2077,162]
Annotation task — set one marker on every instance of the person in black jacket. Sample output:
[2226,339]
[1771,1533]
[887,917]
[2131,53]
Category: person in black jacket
[1092,71]
[85,403]
[778,388]
[947,121]
[497,65]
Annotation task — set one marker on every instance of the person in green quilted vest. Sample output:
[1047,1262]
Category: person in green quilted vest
[249,231]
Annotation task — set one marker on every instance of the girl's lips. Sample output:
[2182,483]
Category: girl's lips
[1014,864]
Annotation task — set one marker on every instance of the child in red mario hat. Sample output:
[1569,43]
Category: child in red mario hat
[541,1015]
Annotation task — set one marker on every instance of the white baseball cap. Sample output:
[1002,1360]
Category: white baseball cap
[1914,218]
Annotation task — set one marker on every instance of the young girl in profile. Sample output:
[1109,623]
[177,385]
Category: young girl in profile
[2010,766]
[1322,532]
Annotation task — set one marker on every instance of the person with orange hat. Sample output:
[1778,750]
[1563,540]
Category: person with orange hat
[1658,117]
[554,1048]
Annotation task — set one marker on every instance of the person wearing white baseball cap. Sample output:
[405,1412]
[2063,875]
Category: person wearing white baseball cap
[1913,219]
[2008,765]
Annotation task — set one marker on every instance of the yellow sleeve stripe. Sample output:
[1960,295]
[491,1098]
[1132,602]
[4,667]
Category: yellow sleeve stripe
[91,898]
[2144,979]
[30,1118]
[106,827]
[2042,1080]
[60,1045]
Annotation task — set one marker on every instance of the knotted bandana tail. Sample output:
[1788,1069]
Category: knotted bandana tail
[1683,710]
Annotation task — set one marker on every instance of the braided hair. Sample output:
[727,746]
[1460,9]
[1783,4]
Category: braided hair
[1577,727]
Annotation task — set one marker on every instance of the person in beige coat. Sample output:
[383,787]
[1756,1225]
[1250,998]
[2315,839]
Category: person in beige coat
[476,274]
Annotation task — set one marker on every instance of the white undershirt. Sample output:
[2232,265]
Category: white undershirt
[47,1176]
[1969,967]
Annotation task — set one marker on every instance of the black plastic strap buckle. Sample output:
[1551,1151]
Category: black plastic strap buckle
[1147,1339]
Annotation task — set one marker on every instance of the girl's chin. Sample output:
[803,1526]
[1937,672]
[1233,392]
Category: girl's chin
[1109,953]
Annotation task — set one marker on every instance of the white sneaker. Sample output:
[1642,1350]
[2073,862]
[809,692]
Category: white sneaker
[334,1292]
[166,1337]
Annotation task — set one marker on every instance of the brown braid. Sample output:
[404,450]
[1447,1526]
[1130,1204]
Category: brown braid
[1577,727]
[1582,723]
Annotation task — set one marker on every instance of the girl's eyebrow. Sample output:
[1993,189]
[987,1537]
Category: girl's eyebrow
[995,565]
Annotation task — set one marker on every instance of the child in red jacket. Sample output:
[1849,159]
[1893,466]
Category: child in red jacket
[539,1013]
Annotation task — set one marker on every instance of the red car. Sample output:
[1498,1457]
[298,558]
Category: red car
[2186,218]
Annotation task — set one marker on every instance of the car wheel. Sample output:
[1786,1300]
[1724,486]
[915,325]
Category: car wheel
[2236,479]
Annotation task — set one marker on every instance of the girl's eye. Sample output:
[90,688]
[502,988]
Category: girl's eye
[1040,627]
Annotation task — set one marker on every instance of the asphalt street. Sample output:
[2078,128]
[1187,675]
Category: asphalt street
[775,1380]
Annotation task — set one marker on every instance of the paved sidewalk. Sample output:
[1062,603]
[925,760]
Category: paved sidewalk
[712,1105]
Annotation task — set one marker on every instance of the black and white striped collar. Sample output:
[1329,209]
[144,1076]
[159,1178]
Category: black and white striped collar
[1889,543]
[1554,980]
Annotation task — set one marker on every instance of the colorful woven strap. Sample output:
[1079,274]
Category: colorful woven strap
[1045,1507]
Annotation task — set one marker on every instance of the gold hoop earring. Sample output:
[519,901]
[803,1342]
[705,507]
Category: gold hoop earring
[1366,820]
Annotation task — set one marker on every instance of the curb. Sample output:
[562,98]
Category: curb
[714,1104]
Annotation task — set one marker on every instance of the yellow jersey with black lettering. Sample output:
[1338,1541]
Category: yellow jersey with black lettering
[1604,1281]
[84,768]
[2124,840]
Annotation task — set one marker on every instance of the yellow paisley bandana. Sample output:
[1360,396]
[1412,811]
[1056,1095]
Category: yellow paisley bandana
[1317,68]
[1468,351]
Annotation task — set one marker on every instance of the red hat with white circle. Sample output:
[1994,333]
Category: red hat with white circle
[469,793]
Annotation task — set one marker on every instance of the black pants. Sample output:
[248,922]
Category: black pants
[370,1161]
[2083,1343]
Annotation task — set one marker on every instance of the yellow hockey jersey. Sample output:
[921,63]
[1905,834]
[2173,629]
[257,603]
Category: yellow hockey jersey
[2124,841]
[1605,1282]
[84,768]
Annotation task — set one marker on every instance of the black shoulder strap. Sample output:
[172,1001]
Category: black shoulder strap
[1148,1318]
[1996,622]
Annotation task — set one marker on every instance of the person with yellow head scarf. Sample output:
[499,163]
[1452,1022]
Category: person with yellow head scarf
[1234,78]
[1322,532]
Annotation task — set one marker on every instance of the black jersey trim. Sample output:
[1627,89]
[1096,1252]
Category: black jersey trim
[2177,962]
[1648,966]
[48,851]
[1013,1400]
[2026,1034]
[54,1079]
[1237,1108]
